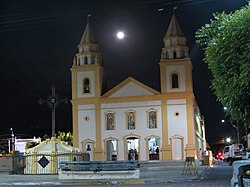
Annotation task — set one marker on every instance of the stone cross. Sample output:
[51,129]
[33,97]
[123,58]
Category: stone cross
[53,101]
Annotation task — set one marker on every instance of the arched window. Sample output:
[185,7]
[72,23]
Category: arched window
[174,55]
[85,60]
[110,121]
[175,80]
[152,119]
[86,86]
[130,120]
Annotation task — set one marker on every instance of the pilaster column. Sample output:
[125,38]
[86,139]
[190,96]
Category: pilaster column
[34,163]
[190,147]
[166,151]
[75,125]
[53,163]
[98,149]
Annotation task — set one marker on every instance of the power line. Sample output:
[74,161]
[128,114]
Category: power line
[10,24]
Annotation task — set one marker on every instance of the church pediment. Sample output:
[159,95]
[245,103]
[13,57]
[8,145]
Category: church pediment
[129,88]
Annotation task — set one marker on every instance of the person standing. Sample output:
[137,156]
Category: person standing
[157,150]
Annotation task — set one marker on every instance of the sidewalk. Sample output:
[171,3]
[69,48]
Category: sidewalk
[148,174]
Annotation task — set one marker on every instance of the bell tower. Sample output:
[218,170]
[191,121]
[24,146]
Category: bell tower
[87,68]
[86,81]
[177,89]
[175,64]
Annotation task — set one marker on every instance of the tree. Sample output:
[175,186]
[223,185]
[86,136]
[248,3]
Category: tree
[226,42]
[67,137]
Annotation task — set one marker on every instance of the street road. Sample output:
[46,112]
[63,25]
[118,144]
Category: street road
[217,176]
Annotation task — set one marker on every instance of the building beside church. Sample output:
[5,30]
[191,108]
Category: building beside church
[132,120]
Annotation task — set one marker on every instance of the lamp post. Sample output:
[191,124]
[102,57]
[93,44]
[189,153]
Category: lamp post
[237,130]
[12,140]
[13,148]
[228,140]
[234,126]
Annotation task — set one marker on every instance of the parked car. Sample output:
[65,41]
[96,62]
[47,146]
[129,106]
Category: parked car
[232,153]
[240,177]
[244,175]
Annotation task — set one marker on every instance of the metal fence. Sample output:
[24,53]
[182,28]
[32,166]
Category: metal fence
[17,163]
[44,162]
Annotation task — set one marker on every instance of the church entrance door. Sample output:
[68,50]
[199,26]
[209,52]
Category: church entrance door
[153,145]
[111,150]
[132,148]
[177,149]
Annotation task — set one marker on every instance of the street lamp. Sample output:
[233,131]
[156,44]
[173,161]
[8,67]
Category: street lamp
[228,140]
[12,140]
[237,130]
[13,149]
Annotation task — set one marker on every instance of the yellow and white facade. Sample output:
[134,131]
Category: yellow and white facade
[133,116]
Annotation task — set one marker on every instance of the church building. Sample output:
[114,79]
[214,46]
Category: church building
[133,121]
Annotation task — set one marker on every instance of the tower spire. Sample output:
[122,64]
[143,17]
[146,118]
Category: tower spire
[87,36]
[88,16]
[174,28]
[88,48]
[174,8]
[174,41]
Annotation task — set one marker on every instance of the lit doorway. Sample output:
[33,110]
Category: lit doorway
[153,145]
[111,149]
[132,148]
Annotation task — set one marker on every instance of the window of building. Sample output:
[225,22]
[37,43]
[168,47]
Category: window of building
[174,55]
[131,120]
[110,121]
[175,80]
[152,119]
[86,85]
[85,60]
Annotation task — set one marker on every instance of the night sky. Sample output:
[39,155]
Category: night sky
[39,38]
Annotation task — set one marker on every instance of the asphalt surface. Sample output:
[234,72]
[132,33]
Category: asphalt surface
[149,176]
[158,174]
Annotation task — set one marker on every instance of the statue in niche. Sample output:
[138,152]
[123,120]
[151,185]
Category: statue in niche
[88,148]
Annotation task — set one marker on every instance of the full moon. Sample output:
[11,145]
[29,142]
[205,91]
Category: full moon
[120,35]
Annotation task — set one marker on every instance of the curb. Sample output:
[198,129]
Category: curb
[75,183]
[105,182]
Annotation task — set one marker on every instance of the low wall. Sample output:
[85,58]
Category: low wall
[99,170]
[129,174]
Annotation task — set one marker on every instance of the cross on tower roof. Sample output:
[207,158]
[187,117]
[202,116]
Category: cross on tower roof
[53,101]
